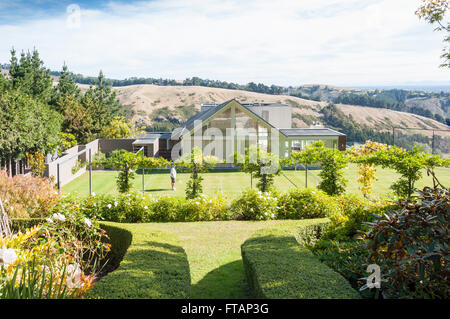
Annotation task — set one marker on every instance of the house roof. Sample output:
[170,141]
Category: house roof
[147,138]
[205,115]
[146,141]
[320,131]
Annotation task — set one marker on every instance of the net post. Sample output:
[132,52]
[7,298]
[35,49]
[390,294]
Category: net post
[57,176]
[90,172]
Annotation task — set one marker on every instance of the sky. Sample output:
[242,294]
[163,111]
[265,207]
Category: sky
[283,42]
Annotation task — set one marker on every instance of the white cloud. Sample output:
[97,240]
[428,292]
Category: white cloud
[341,42]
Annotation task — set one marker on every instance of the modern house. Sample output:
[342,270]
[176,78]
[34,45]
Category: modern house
[233,125]
[267,125]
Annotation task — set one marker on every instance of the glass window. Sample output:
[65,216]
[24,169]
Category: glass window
[221,121]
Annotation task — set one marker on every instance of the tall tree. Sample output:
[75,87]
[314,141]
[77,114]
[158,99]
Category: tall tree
[30,76]
[66,86]
[101,103]
[26,125]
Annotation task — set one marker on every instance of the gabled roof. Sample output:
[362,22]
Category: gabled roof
[205,115]
[292,132]
[322,131]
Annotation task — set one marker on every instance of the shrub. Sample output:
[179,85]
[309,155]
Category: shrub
[57,257]
[354,211]
[305,203]
[332,163]
[167,208]
[348,258]
[411,246]
[255,205]
[137,208]
[206,208]
[277,266]
[27,196]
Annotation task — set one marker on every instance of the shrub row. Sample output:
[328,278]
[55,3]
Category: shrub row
[251,205]
[277,266]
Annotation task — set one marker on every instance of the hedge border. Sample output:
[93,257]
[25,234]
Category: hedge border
[154,266]
[149,263]
[279,266]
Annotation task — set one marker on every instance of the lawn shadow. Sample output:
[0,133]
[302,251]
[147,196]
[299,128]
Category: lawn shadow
[158,190]
[225,282]
[149,269]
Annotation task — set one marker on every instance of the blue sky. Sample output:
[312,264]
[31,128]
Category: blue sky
[285,42]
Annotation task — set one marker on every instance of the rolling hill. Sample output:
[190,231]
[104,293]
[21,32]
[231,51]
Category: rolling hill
[152,104]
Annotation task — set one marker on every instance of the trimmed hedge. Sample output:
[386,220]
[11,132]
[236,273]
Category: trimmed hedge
[21,224]
[278,267]
[154,266]
[150,263]
[120,239]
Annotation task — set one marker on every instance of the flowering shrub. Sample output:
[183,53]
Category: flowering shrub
[166,208]
[255,205]
[353,214]
[135,208]
[27,196]
[306,203]
[206,208]
[55,259]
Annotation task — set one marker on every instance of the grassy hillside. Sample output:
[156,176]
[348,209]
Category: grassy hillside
[154,104]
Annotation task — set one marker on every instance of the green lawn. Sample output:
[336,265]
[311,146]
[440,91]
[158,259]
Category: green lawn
[214,254]
[232,183]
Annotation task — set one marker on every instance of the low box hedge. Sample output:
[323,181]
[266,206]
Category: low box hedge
[277,266]
[154,266]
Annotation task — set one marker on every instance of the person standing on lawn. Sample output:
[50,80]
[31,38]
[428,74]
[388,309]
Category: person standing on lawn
[173,176]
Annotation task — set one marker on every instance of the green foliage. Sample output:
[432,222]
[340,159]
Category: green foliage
[255,205]
[66,141]
[79,165]
[409,164]
[278,267]
[434,11]
[305,204]
[126,162]
[119,240]
[29,75]
[411,246]
[119,127]
[195,163]
[27,125]
[205,208]
[37,163]
[332,163]
[136,208]
[36,284]
[349,258]
[353,214]
[154,266]
[260,164]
